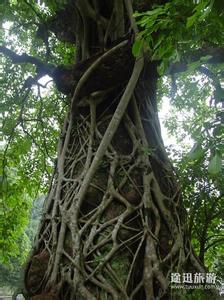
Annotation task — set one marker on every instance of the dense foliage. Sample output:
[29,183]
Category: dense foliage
[32,112]
[172,32]
[195,123]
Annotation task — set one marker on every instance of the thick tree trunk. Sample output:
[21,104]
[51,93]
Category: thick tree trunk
[113,225]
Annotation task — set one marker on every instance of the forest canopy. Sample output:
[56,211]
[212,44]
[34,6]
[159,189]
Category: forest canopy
[38,50]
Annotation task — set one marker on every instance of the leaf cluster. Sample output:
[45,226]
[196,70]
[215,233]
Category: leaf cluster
[172,30]
[194,119]
[30,115]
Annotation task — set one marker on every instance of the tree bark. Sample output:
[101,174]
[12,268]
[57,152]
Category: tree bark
[113,225]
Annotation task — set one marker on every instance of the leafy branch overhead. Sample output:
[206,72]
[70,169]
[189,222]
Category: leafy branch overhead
[171,32]
[113,194]
[188,37]
[176,31]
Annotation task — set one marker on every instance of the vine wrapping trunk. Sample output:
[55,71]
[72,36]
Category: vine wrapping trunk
[113,225]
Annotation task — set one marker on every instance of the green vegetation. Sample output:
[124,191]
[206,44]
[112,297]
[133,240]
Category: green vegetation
[186,37]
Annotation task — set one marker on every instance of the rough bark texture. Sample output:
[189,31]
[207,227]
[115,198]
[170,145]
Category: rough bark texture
[113,225]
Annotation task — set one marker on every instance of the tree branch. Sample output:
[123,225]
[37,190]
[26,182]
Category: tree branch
[216,57]
[130,12]
[42,67]
[88,11]
[34,10]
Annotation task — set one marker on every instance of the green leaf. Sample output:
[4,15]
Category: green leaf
[191,20]
[206,10]
[160,40]
[157,11]
[161,68]
[201,12]
[205,58]
[193,66]
[136,48]
[215,165]
[196,152]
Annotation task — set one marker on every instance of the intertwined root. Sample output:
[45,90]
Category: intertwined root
[121,236]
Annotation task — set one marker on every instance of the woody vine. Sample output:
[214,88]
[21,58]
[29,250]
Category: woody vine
[113,224]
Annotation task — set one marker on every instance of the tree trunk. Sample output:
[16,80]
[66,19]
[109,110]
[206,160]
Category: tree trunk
[113,225]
